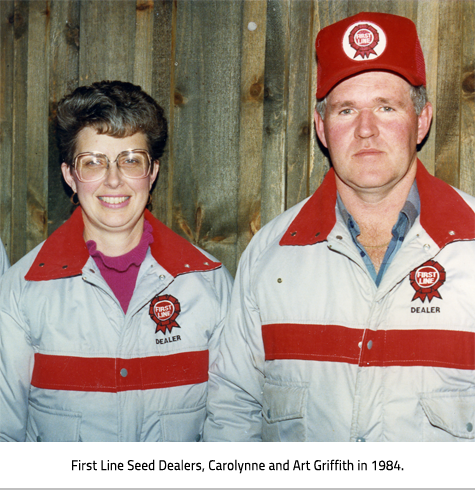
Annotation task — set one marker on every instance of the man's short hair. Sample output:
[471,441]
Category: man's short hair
[116,108]
[418,97]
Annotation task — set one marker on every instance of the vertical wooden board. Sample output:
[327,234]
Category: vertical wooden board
[356,6]
[299,117]
[164,33]
[6,119]
[406,8]
[326,13]
[107,40]
[19,156]
[206,127]
[467,143]
[449,92]
[329,11]
[251,121]
[63,78]
[143,56]
[37,119]
[275,110]
[428,30]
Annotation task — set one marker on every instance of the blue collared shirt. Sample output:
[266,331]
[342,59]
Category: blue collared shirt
[406,219]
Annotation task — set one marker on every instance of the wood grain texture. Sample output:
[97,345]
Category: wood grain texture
[7,19]
[163,90]
[276,75]
[251,121]
[405,8]
[37,117]
[206,125]
[107,38]
[467,119]
[242,146]
[64,42]
[143,55]
[18,233]
[326,13]
[428,29]
[300,112]
[449,92]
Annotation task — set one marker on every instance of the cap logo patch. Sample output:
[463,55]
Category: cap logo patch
[164,310]
[427,280]
[365,40]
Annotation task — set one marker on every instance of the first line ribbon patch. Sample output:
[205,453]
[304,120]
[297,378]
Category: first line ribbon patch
[427,280]
[364,38]
[164,311]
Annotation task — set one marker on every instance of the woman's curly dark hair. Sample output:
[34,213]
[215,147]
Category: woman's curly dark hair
[115,108]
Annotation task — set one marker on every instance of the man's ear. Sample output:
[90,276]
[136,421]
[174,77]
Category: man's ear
[319,127]
[68,176]
[424,120]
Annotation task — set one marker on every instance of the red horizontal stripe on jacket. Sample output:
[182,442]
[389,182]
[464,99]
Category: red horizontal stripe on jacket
[333,343]
[118,375]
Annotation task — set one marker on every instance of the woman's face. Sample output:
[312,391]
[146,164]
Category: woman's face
[114,203]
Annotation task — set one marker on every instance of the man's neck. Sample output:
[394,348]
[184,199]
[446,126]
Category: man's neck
[375,210]
[376,214]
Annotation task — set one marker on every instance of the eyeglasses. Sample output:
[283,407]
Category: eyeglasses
[92,165]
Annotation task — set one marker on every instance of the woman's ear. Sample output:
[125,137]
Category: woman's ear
[154,172]
[68,176]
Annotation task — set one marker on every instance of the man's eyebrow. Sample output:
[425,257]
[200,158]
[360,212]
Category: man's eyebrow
[379,100]
[341,104]
[389,101]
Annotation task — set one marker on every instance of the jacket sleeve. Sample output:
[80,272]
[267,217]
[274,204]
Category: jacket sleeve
[221,283]
[236,377]
[16,362]
[4,263]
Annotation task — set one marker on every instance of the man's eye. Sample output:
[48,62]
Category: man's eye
[346,111]
[388,109]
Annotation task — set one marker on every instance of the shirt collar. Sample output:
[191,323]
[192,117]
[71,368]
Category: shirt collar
[410,209]
[64,253]
[444,214]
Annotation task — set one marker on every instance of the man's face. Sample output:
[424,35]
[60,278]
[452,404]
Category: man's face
[371,131]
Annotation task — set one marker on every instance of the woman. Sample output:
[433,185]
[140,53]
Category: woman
[107,328]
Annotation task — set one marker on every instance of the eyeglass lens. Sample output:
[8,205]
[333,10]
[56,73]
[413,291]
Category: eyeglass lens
[93,166]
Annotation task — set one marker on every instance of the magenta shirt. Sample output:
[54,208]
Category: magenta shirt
[120,272]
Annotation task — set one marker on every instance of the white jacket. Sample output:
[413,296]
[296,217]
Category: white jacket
[313,350]
[4,262]
[74,367]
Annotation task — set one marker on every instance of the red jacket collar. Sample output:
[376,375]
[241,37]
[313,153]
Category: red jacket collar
[445,216]
[64,253]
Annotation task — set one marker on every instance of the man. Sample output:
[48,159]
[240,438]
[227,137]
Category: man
[352,317]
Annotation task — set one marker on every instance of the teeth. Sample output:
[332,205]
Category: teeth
[113,200]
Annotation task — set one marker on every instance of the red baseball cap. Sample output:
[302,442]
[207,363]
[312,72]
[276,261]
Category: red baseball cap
[368,41]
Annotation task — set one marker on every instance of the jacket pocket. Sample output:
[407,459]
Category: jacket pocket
[52,425]
[284,411]
[185,425]
[450,414]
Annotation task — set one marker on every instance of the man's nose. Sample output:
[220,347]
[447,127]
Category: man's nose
[366,125]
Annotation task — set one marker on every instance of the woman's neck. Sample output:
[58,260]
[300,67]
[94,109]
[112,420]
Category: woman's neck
[112,242]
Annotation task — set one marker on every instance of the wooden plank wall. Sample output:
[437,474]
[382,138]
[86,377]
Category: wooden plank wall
[237,81]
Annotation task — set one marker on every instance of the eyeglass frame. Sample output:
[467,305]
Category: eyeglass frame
[115,161]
